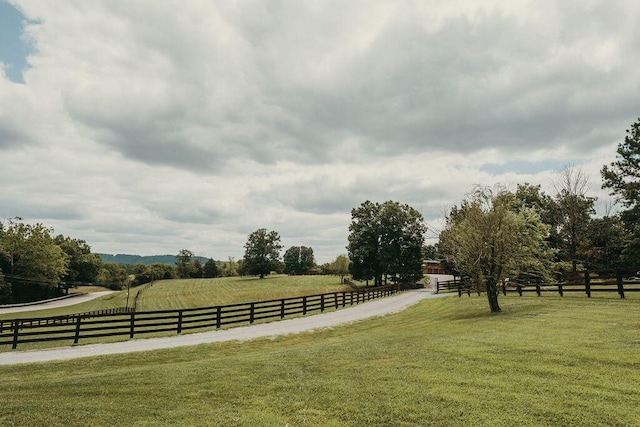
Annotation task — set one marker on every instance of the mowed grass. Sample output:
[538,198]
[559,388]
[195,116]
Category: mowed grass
[177,294]
[189,293]
[547,361]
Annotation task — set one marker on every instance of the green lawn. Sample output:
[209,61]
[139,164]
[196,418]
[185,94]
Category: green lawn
[176,294]
[546,361]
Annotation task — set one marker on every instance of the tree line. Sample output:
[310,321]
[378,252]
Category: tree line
[496,234]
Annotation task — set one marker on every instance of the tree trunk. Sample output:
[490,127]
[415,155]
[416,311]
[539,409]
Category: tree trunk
[492,295]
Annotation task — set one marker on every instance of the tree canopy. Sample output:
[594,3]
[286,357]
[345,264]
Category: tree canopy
[262,252]
[492,236]
[298,260]
[30,256]
[386,240]
[622,177]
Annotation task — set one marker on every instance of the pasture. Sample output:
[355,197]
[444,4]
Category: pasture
[192,293]
[444,362]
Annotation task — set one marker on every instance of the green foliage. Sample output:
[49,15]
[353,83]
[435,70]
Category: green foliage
[607,240]
[113,276]
[622,177]
[210,269]
[84,266]
[230,268]
[340,266]
[31,261]
[386,239]
[149,273]
[298,260]
[492,237]
[262,252]
[184,267]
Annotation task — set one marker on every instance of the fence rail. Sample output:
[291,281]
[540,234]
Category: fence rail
[131,323]
[586,281]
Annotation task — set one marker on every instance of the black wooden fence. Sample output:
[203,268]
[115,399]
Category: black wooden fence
[587,282]
[131,324]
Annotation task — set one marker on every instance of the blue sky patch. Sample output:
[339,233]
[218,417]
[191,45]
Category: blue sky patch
[13,50]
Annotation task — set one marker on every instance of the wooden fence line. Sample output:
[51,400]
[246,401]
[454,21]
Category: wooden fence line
[612,282]
[132,323]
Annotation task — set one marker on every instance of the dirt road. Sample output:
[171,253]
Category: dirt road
[370,309]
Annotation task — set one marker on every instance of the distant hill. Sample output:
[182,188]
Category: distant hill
[146,260]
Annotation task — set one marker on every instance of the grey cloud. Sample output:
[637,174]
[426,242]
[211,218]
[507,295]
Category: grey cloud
[266,91]
[12,134]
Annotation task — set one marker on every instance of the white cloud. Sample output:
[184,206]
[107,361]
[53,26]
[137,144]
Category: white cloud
[149,127]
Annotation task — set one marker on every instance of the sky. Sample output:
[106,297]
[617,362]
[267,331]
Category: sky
[148,127]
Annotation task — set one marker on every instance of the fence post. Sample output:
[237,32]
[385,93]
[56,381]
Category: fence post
[587,283]
[620,284]
[132,323]
[15,325]
[304,305]
[335,299]
[282,309]
[76,338]
[218,317]
[180,321]
[321,302]
[351,297]
[252,312]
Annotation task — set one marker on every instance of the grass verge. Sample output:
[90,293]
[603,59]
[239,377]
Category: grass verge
[445,362]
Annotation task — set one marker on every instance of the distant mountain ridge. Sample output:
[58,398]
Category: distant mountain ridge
[146,260]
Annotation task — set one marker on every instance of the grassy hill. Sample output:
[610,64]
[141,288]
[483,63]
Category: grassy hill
[550,361]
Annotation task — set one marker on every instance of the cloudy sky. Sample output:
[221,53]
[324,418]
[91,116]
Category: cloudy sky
[147,127]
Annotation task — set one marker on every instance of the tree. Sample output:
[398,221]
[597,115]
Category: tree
[262,252]
[622,177]
[210,269]
[149,273]
[196,269]
[607,237]
[230,268]
[84,266]
[338,266]
[184,267]
[113,276]
[386,239]
[574,209]
[29,257]
[430,252]
[491,238]
[298,260]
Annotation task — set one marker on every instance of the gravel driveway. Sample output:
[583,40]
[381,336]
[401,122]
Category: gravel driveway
[366,310]
[55,304]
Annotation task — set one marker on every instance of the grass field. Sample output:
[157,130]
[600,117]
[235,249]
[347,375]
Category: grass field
[176,294]
[447,362]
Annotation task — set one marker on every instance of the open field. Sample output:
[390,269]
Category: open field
[543,361]
[172,294]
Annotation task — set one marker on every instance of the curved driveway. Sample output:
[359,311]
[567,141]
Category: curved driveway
[55,304]
[369,309]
